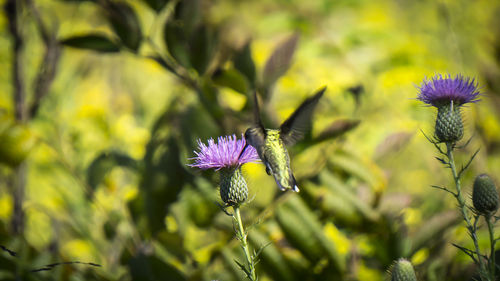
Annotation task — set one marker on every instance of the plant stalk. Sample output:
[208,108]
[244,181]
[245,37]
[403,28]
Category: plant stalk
[463,209]
[244,244]
[491,230]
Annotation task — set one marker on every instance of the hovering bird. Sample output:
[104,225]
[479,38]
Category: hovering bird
[271,143]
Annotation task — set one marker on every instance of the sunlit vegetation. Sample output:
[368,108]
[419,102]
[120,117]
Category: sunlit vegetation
[102,104]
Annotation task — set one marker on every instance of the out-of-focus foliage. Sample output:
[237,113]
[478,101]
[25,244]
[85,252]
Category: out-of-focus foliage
[138,82]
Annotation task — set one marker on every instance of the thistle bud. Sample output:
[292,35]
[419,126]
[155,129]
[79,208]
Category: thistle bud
[484,195]
[449,126]
[402,270]
[233,187]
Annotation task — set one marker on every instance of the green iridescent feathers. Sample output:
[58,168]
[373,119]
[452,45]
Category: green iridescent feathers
[271,143]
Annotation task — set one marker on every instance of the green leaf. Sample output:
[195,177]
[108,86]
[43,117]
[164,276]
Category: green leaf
[310,220]
[342,211]
[156,5]
[393,143]
[433,229]
[104,163]
[95,42]
[178,30]
[244,63]
[201,209]
[353,165]
[341,190]
[201,47]
[164,174]
[229,260]
[162,181]
[162,62]
[298,235]
[243,268]
[125,23]
[80,1]
[279,61]
[176,41]
[336,129]
[151,268]
[272,260]
[231,78]
[188,12]
[195,123]
[304,231]
[110,228]
[8,266]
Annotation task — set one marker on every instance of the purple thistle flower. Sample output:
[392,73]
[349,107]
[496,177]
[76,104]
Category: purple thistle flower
[226,153]
[441,90]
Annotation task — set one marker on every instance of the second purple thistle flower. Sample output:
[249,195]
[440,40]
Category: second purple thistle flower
[443,90]
[448,94]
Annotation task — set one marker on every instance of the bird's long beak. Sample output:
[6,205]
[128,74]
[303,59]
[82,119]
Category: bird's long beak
[243,150]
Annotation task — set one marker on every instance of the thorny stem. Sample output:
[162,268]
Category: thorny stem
[12,8]
[492,244]
[244,244]
[48,67]
[463,207]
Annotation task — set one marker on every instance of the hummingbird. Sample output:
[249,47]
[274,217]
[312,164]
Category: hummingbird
[271,143]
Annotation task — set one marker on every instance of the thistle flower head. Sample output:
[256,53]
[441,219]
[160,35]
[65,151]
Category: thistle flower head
[226,153]
[441,90]
[448,94]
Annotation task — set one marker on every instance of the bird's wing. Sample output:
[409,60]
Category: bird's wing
[293,129]
[257,133]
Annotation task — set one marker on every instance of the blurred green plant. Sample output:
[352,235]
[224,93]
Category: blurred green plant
[143,215]
[192,53]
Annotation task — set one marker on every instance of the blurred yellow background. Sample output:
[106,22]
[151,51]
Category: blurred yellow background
[105,156]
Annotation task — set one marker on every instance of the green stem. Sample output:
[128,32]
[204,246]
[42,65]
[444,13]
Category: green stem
[463,208]
[492,243]
[244,244]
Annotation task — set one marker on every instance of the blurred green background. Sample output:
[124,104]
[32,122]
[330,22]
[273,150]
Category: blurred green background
[116,94]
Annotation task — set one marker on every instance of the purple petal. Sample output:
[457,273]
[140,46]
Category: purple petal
[440,90]
[225,153]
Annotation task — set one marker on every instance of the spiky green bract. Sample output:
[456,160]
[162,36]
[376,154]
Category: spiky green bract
[402,270]
[484,195]
[233,187]
[449,127]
